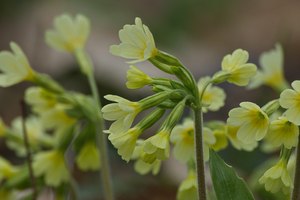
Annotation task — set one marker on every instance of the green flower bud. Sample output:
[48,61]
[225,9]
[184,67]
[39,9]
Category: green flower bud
[271,107]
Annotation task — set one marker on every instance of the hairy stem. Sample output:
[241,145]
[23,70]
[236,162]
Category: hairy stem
[199,153]
[296,191]
[87,69]
[28,152]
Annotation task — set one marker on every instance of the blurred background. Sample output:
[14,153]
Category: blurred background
[199,33]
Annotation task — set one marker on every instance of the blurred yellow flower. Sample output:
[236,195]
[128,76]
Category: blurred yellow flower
[88,157]
[51,165]
[213,96]
[14,66]
[277,178]
[252,121]
[183,138]
[271,73]
[7,170]
[283,132]
[188,188]
[2,128]
[290,99]
[236,66]
[137,78]
[137,42]
[69,33]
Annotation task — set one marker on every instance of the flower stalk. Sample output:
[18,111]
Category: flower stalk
[87,69]
[28,152]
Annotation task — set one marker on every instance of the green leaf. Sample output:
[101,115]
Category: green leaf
[226,183]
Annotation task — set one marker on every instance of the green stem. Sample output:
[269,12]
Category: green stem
[199,153]
[296,191]
[87,68]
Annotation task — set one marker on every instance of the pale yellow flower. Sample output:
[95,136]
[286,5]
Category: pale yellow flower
[231,133]
[69,33]
[14,67]
[252,121]
[277,178]
[40,100]
[183,138]
[88,157]
[283,132]
[141,166]
[137,78]
[36,135]
[271,73]
[290,99]
[238,69]
[123,113]
[51,165]
[188,188]
[137,42]
[213,97]
[7,170]
[125,142]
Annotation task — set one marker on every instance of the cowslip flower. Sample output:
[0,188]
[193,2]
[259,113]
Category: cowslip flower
[290,99]
[36,135]
[277,178]
[188,188]
[141,166]
[137,43]
[271,73]
[88,157]
[182,136]
[238,69]
[123,112]
[284,132]
[137,78]
[125,142]
[252,121]
[51,165]
[213,97]
[231,133]
[7,170]
[40,99]
[69,33]
[14,66]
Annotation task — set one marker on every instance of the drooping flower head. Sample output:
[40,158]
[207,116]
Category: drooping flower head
[252,121]
[237,67]
[69,33]
[51,165]
[290,99]
[213,96]
[137,42]
[271,73]
[277,178]
[88,157]
[7,170]
[283,132]
[14,67]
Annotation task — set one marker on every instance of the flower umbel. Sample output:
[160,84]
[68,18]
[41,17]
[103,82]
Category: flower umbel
[68,34]
[14,66]
[290,99]
[137,42]
[252,121]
